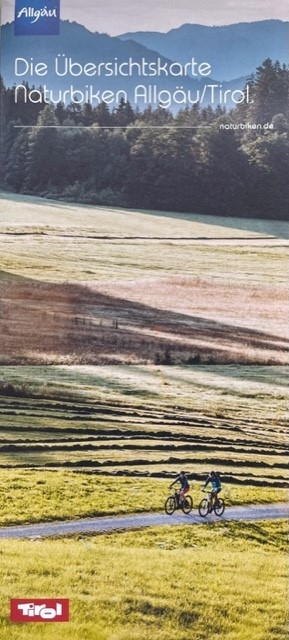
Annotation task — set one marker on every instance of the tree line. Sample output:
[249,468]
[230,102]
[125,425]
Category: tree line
[200,160]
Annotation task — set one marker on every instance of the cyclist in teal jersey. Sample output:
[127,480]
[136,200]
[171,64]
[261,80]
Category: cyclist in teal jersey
[213,479]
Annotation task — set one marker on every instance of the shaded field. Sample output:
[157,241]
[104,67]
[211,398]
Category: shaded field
[168,322]
[148,421]
[91,285]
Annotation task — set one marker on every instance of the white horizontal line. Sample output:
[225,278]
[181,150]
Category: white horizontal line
[35,126]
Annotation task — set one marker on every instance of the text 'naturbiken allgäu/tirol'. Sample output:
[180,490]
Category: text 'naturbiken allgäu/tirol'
[141,94]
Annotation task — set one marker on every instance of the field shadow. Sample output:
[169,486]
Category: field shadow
[9,276]
[275,376]
[54,323]
[37,200]
[275,228]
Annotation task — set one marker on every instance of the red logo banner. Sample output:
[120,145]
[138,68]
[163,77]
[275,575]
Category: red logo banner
[39,610]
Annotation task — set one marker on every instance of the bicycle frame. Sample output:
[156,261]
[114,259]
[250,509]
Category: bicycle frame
[209,499]
[175,501]
[207,505]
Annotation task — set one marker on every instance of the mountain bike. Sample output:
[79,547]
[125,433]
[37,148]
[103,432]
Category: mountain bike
[206,506]
[175,501]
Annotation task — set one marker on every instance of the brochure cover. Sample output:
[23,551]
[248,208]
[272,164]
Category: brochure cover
[144,320]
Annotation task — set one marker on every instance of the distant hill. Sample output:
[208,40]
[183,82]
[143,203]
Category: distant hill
[233,50]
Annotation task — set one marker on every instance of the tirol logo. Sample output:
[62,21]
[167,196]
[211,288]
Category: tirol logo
[39,610]
[37,17]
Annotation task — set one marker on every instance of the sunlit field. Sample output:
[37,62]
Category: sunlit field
[36,495]
[110,439]
[130,586]
[96,285]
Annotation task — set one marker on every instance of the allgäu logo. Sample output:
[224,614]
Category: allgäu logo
[37,17]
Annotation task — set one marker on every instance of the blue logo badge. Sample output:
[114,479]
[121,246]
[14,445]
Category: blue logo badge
[37,17]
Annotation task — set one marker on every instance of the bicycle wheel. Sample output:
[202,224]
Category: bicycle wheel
[187,504]
[203,507]
[219,507]
[170,505]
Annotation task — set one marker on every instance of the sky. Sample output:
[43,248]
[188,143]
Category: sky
[119,16]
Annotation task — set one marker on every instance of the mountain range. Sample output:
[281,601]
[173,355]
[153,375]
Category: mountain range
[233,51]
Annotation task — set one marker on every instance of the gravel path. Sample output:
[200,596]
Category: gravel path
[118,523]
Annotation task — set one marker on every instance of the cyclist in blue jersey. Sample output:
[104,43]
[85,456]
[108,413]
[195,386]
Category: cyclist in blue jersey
[213,479]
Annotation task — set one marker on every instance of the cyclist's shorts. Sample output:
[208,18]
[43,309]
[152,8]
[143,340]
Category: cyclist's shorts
[183,491]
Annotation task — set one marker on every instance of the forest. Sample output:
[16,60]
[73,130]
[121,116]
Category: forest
[199,160]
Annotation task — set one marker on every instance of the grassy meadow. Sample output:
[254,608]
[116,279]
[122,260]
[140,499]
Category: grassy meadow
[166,337]
[87,441]
[97,285]
[32,496]
[224,581]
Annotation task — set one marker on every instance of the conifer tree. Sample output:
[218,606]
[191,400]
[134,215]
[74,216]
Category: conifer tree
[43,160]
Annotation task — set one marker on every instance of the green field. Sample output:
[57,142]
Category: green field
[98,440]
[216,581]
[226,581]
[107,297]
[31,496]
